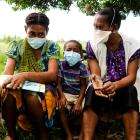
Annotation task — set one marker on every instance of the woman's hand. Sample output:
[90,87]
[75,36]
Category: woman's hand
[17,80]
[97,82]
[4,81]
[100,93]
[109,88]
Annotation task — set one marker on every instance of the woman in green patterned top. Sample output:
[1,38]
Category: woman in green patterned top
[31,59]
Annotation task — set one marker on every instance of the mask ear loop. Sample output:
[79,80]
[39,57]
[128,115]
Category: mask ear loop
[114,14]
[38,18]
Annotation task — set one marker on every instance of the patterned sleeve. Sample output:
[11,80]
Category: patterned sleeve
[53,51]
[84,73]
[13,51]
[89,51]
[136,55]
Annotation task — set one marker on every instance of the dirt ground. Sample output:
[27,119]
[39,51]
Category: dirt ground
[105,131]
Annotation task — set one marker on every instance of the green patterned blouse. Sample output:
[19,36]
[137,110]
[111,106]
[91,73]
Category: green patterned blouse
[25,59]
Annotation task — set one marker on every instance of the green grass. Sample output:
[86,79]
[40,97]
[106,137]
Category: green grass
[2,62]
[3,48]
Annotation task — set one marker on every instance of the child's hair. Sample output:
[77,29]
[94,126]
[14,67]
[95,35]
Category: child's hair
[78,44]
[37,18]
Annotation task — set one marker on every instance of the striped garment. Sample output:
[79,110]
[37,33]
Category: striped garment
[71,76]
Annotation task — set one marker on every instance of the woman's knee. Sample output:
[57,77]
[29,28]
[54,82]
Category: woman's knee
[33,105]
[88,110]
[31,99]
[9,105]
[9,101]
[89,114]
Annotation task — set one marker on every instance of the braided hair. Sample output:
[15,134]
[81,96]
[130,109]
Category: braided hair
[37,18]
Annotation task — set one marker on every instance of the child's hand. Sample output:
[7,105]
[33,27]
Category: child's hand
[77,108]
[62,102]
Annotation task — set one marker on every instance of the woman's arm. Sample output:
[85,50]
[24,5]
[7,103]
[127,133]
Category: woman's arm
[110,87]
[40,77]
[59,87]
[44,77]
[10,66]
[94,67]
[131,75]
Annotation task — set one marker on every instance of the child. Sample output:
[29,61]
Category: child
[72,82]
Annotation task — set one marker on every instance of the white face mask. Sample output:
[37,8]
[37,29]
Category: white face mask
[100,36]
[36,42]
[72,57]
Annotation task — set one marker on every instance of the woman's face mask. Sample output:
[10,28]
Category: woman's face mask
[36,35]
[100,36]
[72,57]
[36,42]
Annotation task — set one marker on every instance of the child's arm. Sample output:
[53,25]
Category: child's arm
[83,83]
[78,105]
[62,99]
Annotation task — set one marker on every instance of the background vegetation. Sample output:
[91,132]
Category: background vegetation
[3,47]
[86,6]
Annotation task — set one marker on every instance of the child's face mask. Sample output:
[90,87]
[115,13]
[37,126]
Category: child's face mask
[100,36]
[72,57]
[36,42]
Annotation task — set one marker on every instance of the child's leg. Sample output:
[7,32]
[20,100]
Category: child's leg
[9,111]
[65,124]
[81,131]
[36,114]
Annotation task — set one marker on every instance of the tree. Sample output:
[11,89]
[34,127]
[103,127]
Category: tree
[86,6]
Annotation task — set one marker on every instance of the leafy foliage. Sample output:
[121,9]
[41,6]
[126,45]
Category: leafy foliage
[91,6]
[87,6]
[42,5]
